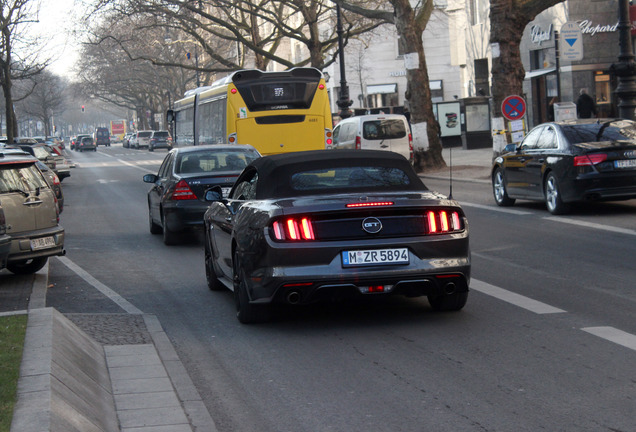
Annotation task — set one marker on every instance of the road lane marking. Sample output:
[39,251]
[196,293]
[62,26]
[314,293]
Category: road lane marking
[145,170]
[615,335]
[591,225]
[497,209]
[112,295]
[514,298]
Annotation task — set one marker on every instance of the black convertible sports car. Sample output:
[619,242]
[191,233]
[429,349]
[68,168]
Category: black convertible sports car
[301,227]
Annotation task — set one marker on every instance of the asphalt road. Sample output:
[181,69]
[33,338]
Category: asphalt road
[547,340]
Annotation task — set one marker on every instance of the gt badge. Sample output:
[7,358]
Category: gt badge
[372,225]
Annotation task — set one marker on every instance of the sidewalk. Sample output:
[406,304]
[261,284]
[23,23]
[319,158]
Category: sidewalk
[99,372]
[467,165]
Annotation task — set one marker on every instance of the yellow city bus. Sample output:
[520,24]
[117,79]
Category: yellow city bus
[276,112]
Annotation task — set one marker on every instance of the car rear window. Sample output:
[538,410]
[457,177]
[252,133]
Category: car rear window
[349,178]
[161,135]
[383,129]
[102,133]
[596,132]
[22,177]
[213,161]
[144,134]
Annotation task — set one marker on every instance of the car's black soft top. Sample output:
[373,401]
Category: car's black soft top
[275,171]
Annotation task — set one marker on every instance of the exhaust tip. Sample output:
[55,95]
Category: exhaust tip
[293,297]
[450,288]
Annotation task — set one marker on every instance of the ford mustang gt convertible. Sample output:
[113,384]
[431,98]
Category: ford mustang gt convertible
[298,228]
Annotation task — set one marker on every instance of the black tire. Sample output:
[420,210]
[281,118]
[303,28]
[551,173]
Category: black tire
[27,266]
[552,194]
[246,312]
[170,238]
[151,149]
[448,302]
[210,275]
[154,227]
[499,190]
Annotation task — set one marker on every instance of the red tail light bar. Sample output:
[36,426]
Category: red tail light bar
[182,191]
[442,222]
[589,160]
[294,229]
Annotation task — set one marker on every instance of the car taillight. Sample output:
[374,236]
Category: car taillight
[294,229]
[589,160]
[56,179]
[410,147]
[442,222]
[358,142]
[182,191]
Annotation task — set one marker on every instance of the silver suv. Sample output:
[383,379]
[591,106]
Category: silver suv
[31,213]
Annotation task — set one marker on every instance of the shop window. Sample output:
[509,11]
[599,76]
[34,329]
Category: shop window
[602,87]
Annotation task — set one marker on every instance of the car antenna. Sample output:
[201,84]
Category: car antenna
[450,152]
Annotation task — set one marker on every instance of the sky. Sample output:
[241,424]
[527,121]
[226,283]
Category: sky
[57,18]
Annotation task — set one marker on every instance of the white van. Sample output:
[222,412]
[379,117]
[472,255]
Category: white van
[375,132]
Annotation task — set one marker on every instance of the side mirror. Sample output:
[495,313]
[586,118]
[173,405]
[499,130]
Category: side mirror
[510,148]
[150,178]
[170,115]
[214,194]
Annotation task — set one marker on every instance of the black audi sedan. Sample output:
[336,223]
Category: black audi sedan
[176,201]
[297,228]
[564,162]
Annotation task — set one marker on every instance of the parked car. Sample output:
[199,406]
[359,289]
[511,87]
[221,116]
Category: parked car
[5,240]
[142,139]
[31,212]
[375,132]
[160,139]
[568,161]
[101,137]
[57,163]
[87,143]
[297,228]
[125,142]
[54,182]
[176,200]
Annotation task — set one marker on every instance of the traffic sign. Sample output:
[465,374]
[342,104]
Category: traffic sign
[572,46]
[513,107]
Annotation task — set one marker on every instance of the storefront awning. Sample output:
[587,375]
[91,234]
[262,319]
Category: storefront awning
[382,89]
[539,72]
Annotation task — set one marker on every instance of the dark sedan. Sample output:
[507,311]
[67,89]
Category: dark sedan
[297,228]
[176,201]
[564,162]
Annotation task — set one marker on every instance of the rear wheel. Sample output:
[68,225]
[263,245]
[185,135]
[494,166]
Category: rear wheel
[170,238]
[27,266]
[448,302]
[553,200]
[499,189]
[210,275]
[246,312]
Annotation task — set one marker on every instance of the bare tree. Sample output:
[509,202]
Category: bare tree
[508,18]
[15,61]
[46,99]
[410,23]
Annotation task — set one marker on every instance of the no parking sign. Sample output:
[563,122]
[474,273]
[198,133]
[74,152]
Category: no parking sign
[513,108]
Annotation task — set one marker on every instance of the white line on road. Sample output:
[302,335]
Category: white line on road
[592,225]
[494,208]
[612,334]
[513,298]
[145,170]
[112,295]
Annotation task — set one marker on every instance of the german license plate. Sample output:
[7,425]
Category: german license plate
[42,243]
[375,257]
[226,191]
[628,163]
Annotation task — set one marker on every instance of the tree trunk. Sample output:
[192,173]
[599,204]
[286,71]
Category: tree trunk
[418,91]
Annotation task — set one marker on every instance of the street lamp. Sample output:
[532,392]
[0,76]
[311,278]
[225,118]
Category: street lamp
[343,101]
[625,68]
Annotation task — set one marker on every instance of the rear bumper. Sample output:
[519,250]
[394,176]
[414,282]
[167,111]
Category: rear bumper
[602,187]
[21,244]
[183,215]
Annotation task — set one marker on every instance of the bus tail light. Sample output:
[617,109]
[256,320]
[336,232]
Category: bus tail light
[231,138]
[328,138]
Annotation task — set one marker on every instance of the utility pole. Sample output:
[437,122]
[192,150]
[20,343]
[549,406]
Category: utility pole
[343,101]
[625,68]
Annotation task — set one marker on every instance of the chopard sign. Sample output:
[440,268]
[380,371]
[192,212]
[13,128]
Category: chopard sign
[588,27]
[538,35]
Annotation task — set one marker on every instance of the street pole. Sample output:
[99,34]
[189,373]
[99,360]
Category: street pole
[343,101]
[625,68]
[557,64]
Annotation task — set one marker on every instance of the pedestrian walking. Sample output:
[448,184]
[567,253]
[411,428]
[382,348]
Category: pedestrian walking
[585,106]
